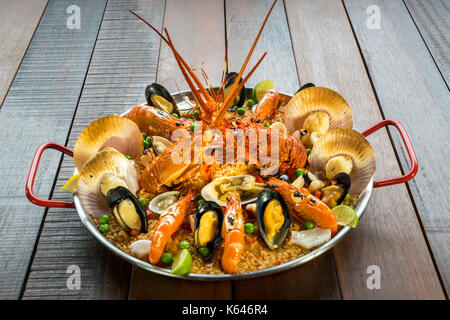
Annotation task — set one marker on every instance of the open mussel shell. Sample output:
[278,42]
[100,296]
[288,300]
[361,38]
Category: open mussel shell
[336,192]
[240,98]
[208,227]
[110,131]
[246,185]
[273,218]
[348,144]
[160,98]
[159,144]
[162,201]
[107,169]
[317,99]
[128,211]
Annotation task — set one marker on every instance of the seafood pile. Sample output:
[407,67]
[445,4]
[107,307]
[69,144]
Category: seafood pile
[222,211]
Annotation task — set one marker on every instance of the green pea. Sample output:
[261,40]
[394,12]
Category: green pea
[308,151]
[250,103]
[249,228]
[309,225]
[143,201]
[128,157]
[200,201]
[103,228]
[347,196]
[167,258]
[204,252]
[149,140]
[266,124]
[144,135]
[199,196]
[196,115]
[175,115]
[104,219]
[193,127]
[146,144]
[299,172]
[241,111]
[184,245]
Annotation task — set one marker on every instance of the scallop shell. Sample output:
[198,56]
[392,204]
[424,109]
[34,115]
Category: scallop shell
[350,143]
[110,131]
[107,161]
[321,99]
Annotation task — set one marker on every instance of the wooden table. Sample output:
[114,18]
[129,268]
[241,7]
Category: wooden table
[54,80]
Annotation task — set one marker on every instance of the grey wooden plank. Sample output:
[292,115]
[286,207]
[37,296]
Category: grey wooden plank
[124,61]
[18,21]
[432,18]
[38,108]
[315,280]
[411,89]
[200,38]
[389,234]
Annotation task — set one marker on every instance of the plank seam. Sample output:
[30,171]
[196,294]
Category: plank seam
[21,60]
[30,263]
[292,43]
[426,45]
[416,211]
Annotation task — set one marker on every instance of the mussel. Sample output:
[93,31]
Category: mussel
[273,218]
[128,211]
[336,192]
[240,98]
[305,86]
[208,228]
[158,97]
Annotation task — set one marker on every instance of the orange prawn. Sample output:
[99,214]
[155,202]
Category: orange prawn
[233,233]
[169,222]
[304,206]
[265,107]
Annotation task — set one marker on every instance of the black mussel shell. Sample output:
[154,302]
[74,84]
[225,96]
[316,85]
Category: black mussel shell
[307,85]
[285,178]
[202,209]
[159,90]
[116,195]
[230,79]
[341,181]
[264,198]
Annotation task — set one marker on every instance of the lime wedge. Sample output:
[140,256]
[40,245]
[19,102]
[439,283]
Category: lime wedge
[71,184]
[345,215]
[182,263]
[261,88]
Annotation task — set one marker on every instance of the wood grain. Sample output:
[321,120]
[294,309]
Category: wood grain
[18,21]
[389,234]
[432,18]
[411,89]
[317,279]
[124,61]
[199,38]
[38,108]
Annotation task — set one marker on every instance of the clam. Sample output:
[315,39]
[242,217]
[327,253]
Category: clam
[161,202]
[273,218]
[158,97]
[317,109]
[309,239]
[140,248]
[208,227]
[128,211]
[336,192]
[159,144]
[240,98]
[111,131]
[344,151]
[106,170]
[245,185]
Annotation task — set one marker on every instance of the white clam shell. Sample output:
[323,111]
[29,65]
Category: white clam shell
[154,204]
[140,248]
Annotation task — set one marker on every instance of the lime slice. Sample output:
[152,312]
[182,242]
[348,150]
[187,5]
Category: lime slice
[71,184]
[182,263]
[261,88]
[345,215]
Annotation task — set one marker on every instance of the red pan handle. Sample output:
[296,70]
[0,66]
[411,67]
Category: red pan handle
[411,153]
[32,176]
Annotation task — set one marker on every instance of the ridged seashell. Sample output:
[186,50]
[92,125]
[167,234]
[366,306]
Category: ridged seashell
[314,99]
[107,162]
[345,142]
[110,131]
